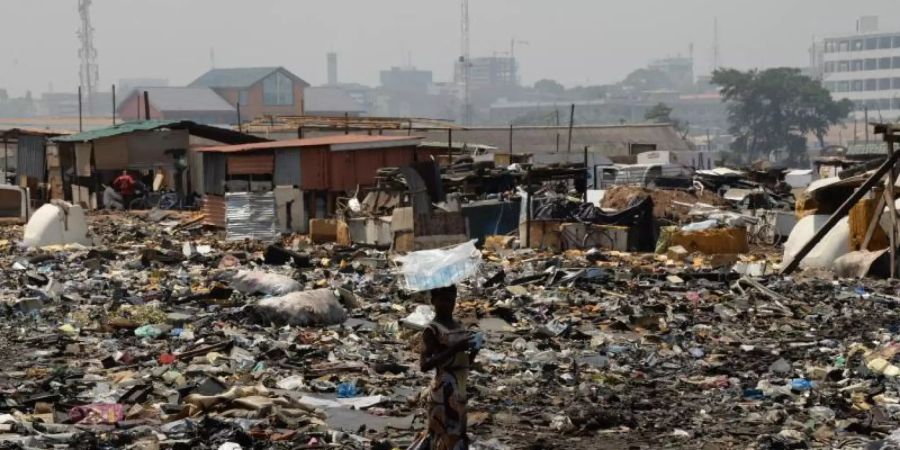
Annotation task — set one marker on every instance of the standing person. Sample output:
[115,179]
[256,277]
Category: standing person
[449,349]
[124,184]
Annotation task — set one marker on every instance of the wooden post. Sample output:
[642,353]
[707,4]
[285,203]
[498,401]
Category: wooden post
[240,129]
[80,124]
[528,211]
[114,104]
[840,213]
[571,125]
[586,168]
[510,142]
[146,105]
[5,160]
[876,218]
[449,147]
[892,207]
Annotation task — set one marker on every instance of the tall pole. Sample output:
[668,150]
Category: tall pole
[80,124]
[114,104]
[146,105]
[449,147]
[892,207]
[571,125]
[5,161]
[510,142]
[866,125]
[240,129]
[556,110]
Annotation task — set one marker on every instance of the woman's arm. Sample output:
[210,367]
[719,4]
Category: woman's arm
[434,354]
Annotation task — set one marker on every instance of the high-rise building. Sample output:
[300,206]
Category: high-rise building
[863,66]
[490,72]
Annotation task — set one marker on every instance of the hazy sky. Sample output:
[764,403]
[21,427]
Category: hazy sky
[573,41]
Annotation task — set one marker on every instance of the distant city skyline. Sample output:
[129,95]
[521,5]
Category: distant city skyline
[576,42]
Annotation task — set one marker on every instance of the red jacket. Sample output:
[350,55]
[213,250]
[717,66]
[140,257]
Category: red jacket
[124,184]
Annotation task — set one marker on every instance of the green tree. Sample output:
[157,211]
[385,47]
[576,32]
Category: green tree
[647,80]
[547,86]
[662,113]
[775,109]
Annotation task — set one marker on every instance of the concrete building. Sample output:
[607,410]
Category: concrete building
[863,66]
[490,73]
[406,79]
[260,90]
[330,102]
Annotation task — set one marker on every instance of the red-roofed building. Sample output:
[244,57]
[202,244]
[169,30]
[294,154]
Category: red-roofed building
[309,173]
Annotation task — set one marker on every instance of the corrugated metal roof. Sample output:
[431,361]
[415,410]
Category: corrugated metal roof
[863,148]
[327,99]
[123,128]
[184,99]
[250,215]
[345,141]
[205,131]
[239,77]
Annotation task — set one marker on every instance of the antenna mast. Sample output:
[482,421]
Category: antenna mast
[464,60]
[715,44]
[89,73]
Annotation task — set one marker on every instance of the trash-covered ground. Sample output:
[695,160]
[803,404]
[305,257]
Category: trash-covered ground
[162,336]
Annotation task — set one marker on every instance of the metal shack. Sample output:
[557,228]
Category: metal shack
[29,162]
[92,158]
[302,178]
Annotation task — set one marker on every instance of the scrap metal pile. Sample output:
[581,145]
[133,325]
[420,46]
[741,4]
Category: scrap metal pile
[161,336]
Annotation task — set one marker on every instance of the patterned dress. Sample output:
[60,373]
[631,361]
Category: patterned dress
[447,409]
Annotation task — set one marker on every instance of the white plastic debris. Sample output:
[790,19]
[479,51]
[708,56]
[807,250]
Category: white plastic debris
[429,269]
[57,223]
[253,282]
[421,317]
[304,308]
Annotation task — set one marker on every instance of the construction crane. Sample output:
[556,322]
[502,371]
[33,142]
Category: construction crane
[89,73]
[464,60]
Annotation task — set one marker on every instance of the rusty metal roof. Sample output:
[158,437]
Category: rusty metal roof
[337,142]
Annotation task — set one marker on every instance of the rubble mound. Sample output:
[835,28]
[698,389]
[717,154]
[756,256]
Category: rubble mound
[619,197]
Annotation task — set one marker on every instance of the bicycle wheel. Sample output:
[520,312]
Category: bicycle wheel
[167,201]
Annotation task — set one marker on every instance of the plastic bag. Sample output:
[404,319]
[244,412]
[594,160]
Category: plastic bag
[429,269]
[252,282]
[304,308]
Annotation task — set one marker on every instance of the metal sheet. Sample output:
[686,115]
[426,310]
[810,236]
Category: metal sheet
[314,169]
[31,157]
[250,215]
[214,211]
[214,173]
[287,168]
[252,164]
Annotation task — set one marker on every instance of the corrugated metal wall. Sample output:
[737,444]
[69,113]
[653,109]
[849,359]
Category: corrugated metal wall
[287,168]
[31,157]
[261,163]
[214,211]
[314,169]
[214,173]
[250,215]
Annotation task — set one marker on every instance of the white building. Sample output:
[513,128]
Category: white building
[864,67]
